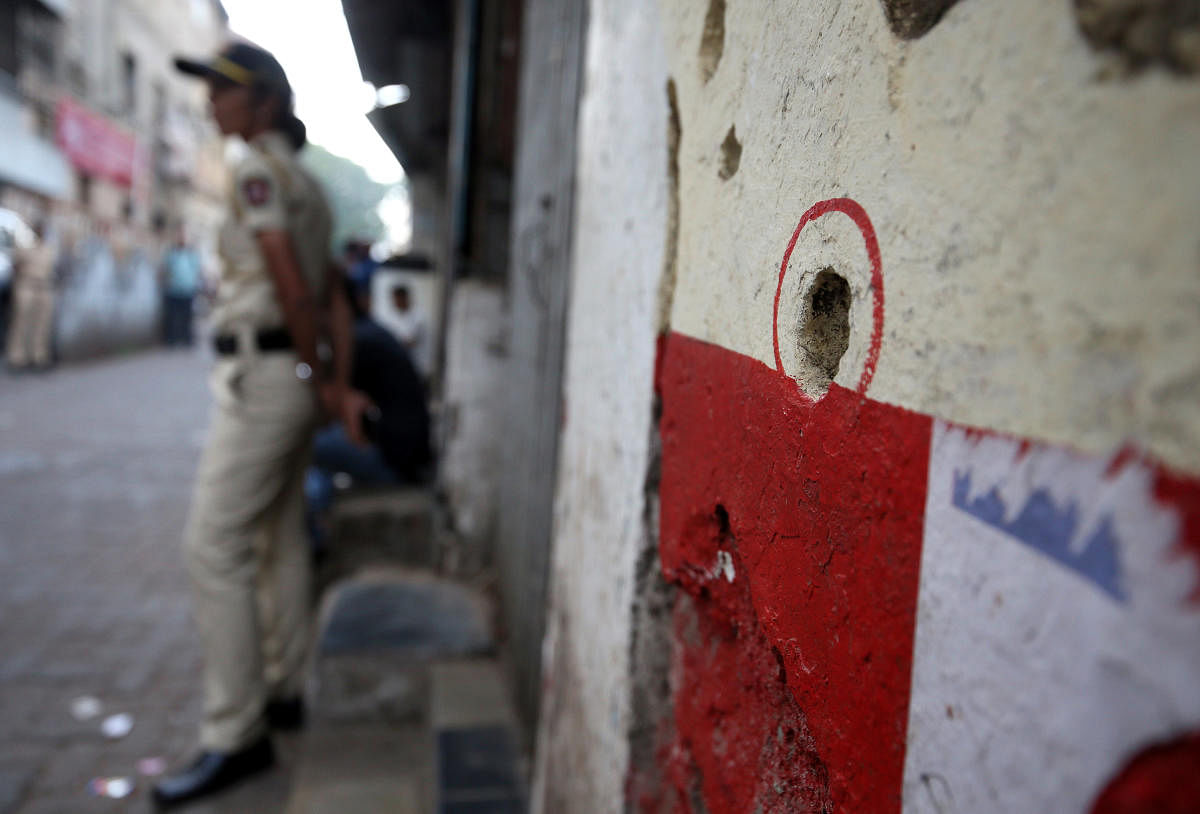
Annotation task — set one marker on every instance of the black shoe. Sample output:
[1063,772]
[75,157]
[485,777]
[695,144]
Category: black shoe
[285,714]
[214,771]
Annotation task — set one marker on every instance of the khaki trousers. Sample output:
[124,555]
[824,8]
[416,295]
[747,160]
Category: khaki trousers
[29,335]
[246,545]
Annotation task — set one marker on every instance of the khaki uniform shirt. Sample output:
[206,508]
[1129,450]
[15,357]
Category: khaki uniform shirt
[35,265]
[270,190]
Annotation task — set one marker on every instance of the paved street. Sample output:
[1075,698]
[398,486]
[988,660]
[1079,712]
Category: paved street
[96,463]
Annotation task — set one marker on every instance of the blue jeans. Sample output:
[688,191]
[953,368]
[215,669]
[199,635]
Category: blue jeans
[334,452]
[177,319]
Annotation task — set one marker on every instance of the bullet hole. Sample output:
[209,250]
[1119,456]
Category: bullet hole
[724,531]
[731,155]
[824,330]
[1144,32]
[712,41]
[910,19]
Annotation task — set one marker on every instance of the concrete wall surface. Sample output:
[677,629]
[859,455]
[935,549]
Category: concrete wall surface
[470,444]
[620,226]
[930,415]
[106,302]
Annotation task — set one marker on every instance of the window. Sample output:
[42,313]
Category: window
[129,82]
[85,190]
[76,78]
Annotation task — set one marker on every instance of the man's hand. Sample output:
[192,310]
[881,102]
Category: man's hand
[347,405]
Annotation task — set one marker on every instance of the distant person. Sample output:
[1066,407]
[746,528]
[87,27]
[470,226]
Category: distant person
[33,304]
[245,542]
[181,282]
[398,431]
[412,329]
[360,266]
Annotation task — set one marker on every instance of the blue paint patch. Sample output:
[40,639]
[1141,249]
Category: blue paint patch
[1045,527]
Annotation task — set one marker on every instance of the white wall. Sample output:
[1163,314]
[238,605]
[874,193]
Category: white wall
[620,225]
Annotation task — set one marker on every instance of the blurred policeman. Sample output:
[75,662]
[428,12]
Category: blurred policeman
[33,304]
[245,543]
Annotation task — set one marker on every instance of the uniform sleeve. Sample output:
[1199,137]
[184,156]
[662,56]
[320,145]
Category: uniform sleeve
[259,195]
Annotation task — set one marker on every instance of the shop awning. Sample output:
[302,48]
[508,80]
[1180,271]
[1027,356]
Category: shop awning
[97,145]
[28,161]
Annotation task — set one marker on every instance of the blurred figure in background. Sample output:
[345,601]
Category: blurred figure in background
[411,327]
[360,266]
[33,303]
[181,282]
[245,541]
[397,429]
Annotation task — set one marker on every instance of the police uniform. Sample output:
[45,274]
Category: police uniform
[245,542]
[33,306]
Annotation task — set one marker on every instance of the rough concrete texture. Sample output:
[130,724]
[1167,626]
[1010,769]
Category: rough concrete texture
[470,446]
[821,552]
[1145,32]
[1036,227]
[912,18]
[712,43]
[582,753]
[962,201]
[1018,241]
[949,608]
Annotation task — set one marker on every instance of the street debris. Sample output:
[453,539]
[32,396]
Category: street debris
[117,788]
[117,726]
[85,708]
[151,766]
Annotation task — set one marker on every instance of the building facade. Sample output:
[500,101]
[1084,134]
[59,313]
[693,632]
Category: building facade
[125,155]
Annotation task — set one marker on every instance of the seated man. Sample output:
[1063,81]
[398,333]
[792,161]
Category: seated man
[399,449]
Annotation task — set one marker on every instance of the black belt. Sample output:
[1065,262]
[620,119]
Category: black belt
[274,339]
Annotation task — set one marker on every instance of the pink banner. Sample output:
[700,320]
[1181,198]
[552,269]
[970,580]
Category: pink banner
[95,144]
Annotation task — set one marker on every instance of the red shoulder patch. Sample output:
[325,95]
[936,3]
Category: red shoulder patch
[257,190]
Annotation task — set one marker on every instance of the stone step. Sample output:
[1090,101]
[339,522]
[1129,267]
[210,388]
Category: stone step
[478,768]
[388,525]
[409,711]
[363,768]
[379,633]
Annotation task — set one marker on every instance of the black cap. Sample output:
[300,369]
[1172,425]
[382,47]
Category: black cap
[240,63]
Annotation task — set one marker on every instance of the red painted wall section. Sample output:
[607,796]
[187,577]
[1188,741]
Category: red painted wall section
[1163,779]
[745,746]
[825,505]
[793,530]
[1183,493]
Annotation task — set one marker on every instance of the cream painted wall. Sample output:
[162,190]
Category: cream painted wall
[1038,225]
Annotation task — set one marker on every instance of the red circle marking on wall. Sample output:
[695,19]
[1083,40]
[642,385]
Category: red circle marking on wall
[853,210]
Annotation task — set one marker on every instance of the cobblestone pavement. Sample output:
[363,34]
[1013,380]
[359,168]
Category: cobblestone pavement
[96,463]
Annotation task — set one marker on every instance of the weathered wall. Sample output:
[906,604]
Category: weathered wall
[619,228]
[539,283]
[470,445]
[930,402]
[106,302]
